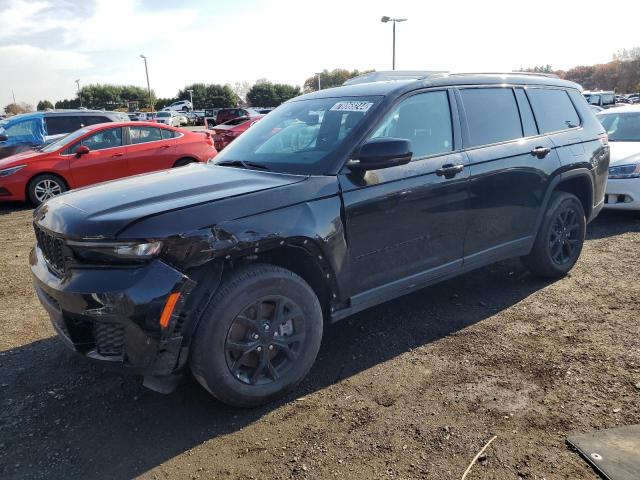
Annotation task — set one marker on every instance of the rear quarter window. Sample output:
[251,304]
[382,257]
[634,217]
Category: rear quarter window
[492,115]
[553,109]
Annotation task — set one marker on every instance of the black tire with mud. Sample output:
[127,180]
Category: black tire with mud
[212,359]
[560,238]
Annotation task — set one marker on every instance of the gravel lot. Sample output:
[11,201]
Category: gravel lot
[410,389]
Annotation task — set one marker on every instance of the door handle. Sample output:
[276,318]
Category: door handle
[540,152]
[165,146]
[449,170]
[117,155]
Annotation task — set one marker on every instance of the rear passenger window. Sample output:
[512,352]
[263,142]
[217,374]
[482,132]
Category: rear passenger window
[59,124]
[424,120]
[492,115]
[144,134]
[553,109]
[91,120]
[166,134]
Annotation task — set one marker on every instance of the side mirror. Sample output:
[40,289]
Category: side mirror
[379,153]
[3,137]
[82,150]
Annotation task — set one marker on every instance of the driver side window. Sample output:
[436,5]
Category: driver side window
[423,119]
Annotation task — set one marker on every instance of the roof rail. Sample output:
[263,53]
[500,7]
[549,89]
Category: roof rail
[390,75]
[532,74]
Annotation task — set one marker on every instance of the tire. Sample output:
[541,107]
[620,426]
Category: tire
[245,359]
[182,162]
[44,187]
[560,238]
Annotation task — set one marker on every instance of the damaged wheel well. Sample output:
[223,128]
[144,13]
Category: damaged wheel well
[305,264]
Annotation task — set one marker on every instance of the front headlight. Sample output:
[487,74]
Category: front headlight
[117,252]
[10,171]
[625,171]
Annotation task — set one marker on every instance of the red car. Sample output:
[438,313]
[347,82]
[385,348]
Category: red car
[98,153]
[226,133]
[226,114]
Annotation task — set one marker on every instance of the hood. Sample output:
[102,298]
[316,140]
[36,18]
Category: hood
[623,153]
[103,210]
[19,158]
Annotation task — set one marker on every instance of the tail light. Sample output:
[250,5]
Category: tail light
[604,139]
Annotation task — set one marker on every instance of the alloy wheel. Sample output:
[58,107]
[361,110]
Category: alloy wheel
[46,188]
[564,236]
[265,340]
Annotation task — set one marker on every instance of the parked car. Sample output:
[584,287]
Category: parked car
[623,127]
[168,117]
[183,120]
[596,108]
[225,114]
[227,132]
[179,106]
[98,153]
[600,98]
[198,117]
[336,201]
[134,116]
[26,131]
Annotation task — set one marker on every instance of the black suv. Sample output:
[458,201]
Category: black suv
[336,201]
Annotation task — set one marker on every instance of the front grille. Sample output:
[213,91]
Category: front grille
[52,248]
[109,338]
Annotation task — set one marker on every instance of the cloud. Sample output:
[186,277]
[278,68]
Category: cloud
[37,74]
[17,16]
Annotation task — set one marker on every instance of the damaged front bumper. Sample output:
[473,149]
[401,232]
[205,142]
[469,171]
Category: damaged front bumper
[113,314]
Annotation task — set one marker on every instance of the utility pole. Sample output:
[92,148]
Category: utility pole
[79,94]
[191,98]
[386,19]
[318,74]
[14,96]
[146,70]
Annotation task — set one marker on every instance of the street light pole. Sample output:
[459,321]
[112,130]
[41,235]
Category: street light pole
[191,98]
[318,74]
[386,19]
[146,70]
[79,94]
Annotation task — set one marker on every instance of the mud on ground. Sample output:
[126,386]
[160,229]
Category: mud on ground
[410,389]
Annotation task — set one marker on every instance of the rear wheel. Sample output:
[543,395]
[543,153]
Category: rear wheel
[183,161]
[560,238]
[259,336]
[44,187]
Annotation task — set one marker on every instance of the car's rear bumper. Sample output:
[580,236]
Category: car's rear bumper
[112,315]
[622,194]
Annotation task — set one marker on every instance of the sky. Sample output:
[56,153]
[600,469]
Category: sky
[45,45]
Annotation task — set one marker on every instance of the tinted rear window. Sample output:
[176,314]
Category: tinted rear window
[60,124]
[553,109]
[492,115]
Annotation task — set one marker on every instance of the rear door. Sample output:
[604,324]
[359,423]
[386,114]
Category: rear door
[406,224]
[106,160]
[510,168]
[148,150]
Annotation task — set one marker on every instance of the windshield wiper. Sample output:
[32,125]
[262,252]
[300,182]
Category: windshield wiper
[242,164]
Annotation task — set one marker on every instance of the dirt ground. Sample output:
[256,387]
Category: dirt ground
[410,389]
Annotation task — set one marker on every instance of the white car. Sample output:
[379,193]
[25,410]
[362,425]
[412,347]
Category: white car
[183,119]
[179,106]
[623,186]
[168,117]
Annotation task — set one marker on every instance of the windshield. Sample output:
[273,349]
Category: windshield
[297,136]
[64,141]
[163,114]
[621,127]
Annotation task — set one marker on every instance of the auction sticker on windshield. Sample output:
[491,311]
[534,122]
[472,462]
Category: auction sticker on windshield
[351,106]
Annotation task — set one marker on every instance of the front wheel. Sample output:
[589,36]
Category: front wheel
[560,237]
[259,336]
[44,187]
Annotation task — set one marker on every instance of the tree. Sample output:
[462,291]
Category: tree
[241,89]
[209,95]
[329,79]
[67,104]
[44,104]
[17,108]
[269,94]
[114,96]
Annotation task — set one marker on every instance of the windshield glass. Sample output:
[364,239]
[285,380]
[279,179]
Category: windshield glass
[64,141]
[163,114]
[621,127]
[297,136]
